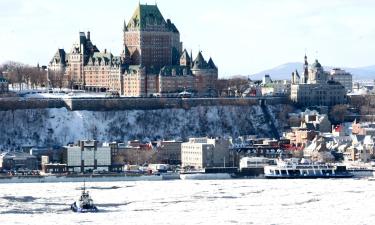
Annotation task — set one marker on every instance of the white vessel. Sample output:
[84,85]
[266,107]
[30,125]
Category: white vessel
[288,170]
[84,203]
[204,176]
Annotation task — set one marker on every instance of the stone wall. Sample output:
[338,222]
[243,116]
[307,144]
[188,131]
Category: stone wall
[15,103]
[105,104]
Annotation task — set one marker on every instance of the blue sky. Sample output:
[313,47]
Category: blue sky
[242,36]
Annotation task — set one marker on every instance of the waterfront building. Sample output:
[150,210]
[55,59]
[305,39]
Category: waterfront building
[300,136]
[4,85]
[200,153]
[17,161]
[316,87]
[132,153]
[87,156]
[152,61]
[170,152]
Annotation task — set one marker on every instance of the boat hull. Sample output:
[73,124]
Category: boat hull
[77,209]
[205,176]
[308,177]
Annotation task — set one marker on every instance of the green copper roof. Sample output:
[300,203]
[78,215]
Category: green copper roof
[316,64]
[146,15]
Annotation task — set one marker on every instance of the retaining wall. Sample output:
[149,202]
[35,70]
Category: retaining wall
[107,104]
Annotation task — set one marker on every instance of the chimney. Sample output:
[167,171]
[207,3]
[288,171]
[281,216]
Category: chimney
[88,35]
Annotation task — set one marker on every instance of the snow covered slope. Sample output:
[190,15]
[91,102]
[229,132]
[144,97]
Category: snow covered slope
[46,127]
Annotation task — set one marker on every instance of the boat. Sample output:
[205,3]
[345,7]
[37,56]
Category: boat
[253,167]
[289,170]
[84,204]
[204,176]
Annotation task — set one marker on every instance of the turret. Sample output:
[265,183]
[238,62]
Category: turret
[185,59]
[211,64]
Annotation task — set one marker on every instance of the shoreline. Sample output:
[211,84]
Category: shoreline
[88,178]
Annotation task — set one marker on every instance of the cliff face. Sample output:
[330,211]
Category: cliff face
[46,127]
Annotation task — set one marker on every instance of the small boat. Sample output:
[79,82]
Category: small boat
[84,203]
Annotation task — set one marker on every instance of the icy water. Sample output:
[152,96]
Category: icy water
[345,201]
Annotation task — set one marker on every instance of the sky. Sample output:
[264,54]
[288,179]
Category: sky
[242,36]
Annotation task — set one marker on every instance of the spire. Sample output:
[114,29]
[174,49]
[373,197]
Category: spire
[125,27]
[199,62]
[126,55]
[305,70]
[191,57]
[211,64]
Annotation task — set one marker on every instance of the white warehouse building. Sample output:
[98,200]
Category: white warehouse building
[87,157]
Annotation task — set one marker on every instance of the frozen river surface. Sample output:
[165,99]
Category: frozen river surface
[194,202]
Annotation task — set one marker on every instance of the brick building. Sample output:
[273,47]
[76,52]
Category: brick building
[152,61]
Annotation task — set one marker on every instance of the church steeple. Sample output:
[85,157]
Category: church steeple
[305,70]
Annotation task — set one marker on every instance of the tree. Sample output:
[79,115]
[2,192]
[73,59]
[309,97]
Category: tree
[338,113]
[21,74]
[221,86]
[56,78]
[15,71]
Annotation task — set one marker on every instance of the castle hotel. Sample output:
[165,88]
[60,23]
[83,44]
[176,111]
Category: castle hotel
[152,61]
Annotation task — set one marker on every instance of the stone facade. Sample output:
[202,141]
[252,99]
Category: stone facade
[205,152]
[152,61]
[17,161]
[343,77]
[170,152]
[316,87]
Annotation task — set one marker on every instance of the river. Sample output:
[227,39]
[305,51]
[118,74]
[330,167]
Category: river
[239,201]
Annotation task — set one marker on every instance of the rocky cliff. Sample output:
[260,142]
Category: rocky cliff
[58,126]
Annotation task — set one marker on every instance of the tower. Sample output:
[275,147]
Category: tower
[152,41]
[305,70]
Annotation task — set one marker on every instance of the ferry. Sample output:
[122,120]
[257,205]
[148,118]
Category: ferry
[287,170]
[204,176]
[253,167]
[211,173]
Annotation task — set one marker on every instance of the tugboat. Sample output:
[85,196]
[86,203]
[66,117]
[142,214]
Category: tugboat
[84,203]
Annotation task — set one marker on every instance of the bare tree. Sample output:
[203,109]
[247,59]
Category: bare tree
[14,73]
[56,78]
[338,113]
